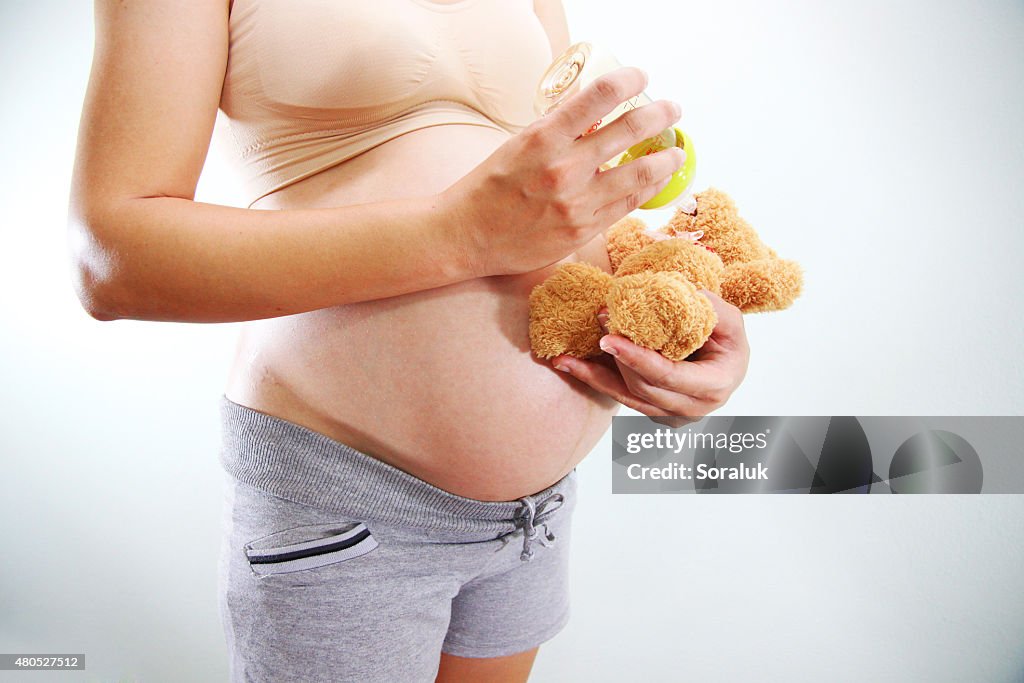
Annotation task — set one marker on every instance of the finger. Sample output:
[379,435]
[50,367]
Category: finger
[730,328]
[635,126]
[676,421]
[727,348]
[672,402]
[618,208]
[646,172]
[606,381]
[602,319]
[592,103]
[701,381]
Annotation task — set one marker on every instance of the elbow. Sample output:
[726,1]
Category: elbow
[94,292]
[93,272]
[94,306]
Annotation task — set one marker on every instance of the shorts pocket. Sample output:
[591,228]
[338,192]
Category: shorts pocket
[308,547]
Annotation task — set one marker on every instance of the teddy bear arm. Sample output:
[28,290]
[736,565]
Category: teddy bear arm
[762,285]
[563,311]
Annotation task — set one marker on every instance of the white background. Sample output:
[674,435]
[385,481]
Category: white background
[878,143]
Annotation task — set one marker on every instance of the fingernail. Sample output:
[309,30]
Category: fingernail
[677,110]
[602,319]
[680,155]
[563,368]
[607,347]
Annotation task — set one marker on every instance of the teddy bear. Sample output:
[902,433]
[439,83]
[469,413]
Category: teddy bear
[652,294]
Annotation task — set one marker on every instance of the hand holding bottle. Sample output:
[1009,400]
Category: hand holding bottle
[542,194]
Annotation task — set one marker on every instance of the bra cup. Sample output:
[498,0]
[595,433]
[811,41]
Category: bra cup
[336,56]
[312,83]
[364,62]
[502,66]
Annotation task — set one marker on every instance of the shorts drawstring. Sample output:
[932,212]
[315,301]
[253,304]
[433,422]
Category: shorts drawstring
[536,513]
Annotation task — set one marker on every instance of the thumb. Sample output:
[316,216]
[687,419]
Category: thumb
[730,319]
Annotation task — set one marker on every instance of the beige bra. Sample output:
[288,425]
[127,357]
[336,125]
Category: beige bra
[312,83]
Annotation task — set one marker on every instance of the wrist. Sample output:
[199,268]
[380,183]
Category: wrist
[459,231]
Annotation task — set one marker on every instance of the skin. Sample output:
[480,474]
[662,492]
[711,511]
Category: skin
[391,316]
[513,669]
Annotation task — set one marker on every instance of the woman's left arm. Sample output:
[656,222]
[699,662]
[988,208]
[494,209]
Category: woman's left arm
[552,17]
[647,382]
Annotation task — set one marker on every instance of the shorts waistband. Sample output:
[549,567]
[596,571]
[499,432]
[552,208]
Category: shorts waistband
[302,465]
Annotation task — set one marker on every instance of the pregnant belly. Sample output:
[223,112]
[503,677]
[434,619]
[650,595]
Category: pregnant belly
[439,383]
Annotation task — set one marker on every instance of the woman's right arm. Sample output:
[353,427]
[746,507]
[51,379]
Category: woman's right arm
[143,248]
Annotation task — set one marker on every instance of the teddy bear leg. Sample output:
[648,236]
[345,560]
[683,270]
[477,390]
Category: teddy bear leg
[762,285]
[563,311]
[661,311]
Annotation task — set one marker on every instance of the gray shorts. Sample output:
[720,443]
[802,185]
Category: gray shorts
[336,566]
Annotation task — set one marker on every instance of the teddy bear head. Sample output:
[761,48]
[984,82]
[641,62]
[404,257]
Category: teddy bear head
[714,246]
[722,228]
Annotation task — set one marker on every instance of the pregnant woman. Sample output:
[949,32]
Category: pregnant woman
[399,468]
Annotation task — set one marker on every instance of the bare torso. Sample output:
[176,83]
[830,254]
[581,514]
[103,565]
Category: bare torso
[439,383]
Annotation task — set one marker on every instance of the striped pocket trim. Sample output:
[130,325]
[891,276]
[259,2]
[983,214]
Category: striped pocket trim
[311,554]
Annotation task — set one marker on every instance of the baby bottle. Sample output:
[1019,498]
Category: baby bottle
[578,66]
